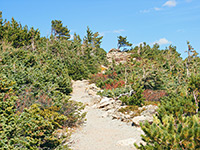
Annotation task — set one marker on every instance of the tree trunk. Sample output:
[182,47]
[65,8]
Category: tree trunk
[33,45]
[196,101]
[125,77]
[187,68]
[138,51]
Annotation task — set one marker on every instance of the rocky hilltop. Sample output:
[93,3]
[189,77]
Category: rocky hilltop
[118,56]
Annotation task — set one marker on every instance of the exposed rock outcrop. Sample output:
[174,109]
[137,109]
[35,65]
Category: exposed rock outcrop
[118,56]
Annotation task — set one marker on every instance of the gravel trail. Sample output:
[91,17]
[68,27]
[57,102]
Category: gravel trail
[99,131]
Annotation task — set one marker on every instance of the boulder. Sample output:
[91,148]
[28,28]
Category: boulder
[105,99]
[91,92]
[148,110]
[92,89]
[141,119]
[120,116]
[115,116]
[96,99]
[146,114]
[107,105]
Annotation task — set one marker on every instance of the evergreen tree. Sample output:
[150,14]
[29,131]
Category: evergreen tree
[97,40]
[122,42]
[92,39]
[77,44]
[191,55]
[87,40]
[1,25]
[34,35]
[58,30]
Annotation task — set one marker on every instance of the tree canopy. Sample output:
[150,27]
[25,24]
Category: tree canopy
[58,30]
[122,42]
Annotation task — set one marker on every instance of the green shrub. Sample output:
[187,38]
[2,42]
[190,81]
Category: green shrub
[114,92]
[176,105]
[136,98]
[33,123]
[171,133]
[176,125]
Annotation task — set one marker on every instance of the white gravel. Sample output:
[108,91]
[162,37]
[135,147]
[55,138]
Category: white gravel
[99,131]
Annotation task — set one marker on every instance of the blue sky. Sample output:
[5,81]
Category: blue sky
[163,21]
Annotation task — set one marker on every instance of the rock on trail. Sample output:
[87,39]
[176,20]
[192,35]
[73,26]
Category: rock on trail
[100,132]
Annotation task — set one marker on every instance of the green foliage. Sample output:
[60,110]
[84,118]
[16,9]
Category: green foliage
[81,58]
[1,26]
[177,124]
[93,55]
[194,83]
[176,106]
[35,83]
[37,125]
[122,42]
[34,127]
[37,73]
[194,89]
[136,98]
[76,69]
[92,39]
[171,133]
[58,31]
[13,32]
[114,92]
[8,121]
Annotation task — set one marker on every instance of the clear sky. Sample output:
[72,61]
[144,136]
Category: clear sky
[163,21]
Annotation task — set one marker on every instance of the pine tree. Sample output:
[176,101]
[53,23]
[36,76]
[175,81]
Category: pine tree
[122,42]
[191,55]
[92,39]
[1,26]
[34,35]
[59,31]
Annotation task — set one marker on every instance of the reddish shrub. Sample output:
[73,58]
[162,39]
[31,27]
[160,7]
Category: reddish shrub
[115,84]
[151,95]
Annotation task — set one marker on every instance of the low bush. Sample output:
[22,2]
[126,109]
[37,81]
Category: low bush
[29,120]
[171,133]
[113,93]
[136,98]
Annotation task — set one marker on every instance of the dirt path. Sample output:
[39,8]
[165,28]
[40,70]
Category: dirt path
[99,131]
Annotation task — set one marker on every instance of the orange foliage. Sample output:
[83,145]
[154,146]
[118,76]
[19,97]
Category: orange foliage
[114,85]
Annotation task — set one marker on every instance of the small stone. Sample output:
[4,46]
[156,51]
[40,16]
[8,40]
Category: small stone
[141,119]
[109,105]
[105,99]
